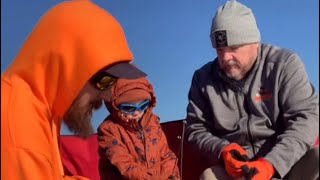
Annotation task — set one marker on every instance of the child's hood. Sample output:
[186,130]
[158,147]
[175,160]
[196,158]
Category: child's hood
[124,85]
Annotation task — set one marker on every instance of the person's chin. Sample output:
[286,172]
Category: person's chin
[233,73]
[81,126]
[97,105]
[86,130]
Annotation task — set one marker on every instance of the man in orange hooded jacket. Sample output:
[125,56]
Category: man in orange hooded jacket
[63,71]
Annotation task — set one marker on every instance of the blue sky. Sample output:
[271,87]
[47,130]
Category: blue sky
[170,38]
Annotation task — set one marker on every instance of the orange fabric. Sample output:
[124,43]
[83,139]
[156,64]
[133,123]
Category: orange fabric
[130,96]
[260,169]
[71,42]
[232,164]
[138,151]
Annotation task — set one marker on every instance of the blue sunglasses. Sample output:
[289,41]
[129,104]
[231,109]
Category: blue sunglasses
[131,108]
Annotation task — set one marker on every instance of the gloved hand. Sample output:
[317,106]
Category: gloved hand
[234,157]
[260,169]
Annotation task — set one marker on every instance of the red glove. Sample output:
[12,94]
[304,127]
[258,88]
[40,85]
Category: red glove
[260,169]
[234,157]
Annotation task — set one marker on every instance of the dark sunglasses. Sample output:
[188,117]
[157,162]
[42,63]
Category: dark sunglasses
[102,81]
[131,108]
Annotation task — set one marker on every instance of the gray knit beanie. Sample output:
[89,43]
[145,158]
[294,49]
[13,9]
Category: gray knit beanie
[234,24]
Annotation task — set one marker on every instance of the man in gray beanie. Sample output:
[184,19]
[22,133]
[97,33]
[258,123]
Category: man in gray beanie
[252,112]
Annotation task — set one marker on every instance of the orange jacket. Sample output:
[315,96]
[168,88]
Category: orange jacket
[71,42]
[140,152]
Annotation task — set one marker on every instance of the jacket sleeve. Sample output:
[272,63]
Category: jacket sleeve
[119,155]
[200,122]
[299,108]
[27,147]
[169,160]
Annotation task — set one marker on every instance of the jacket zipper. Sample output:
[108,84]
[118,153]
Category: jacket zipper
[248,122]
[144,145]
[239,91]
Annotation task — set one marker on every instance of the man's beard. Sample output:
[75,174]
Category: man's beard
[78,119]
[233,64]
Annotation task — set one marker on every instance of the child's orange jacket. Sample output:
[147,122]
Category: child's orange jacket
[139,152]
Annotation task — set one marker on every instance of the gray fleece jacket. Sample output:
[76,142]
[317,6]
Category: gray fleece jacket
[273,113]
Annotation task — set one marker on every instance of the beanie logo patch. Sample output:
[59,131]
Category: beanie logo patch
[221,38]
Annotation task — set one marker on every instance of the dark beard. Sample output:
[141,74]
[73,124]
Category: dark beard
[78,120]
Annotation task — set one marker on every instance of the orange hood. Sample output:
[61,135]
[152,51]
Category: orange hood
[123,86]
[71,42]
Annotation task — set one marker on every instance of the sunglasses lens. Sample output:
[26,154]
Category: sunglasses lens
[129,109]
[103,81]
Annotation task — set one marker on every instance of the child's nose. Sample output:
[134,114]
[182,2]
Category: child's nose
[136,112]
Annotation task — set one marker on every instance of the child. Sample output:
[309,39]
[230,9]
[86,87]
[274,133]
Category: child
[131,136]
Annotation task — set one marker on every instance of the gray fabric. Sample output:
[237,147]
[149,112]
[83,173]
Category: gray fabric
[234,24]
[274,113]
